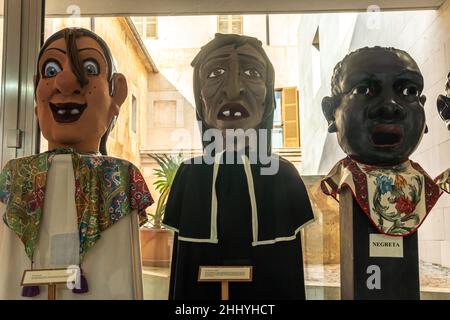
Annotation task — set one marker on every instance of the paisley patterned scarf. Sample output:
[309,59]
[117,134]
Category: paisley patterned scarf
[395,199]
[106,190]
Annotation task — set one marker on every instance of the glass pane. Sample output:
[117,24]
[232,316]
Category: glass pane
[223,27]
[236,27]
[165,113]
[151,19]
[137,19]
[223,18]
[297,63]
[151,30]
[277,138]
[277,119]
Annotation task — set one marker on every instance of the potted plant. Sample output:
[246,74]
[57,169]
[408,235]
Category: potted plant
[156,241]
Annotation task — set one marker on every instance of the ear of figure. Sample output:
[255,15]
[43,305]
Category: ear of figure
[120,92]
[423,99]
[328,108]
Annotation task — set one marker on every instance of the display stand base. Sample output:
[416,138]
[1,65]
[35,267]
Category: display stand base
[52,292]
[366,277]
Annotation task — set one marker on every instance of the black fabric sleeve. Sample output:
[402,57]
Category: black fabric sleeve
[175,200]
[299,202]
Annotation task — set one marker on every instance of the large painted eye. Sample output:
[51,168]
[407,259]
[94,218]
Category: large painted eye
[362,89]
[410,91]
[51,69]
[216,73]
[252,73]
[91,67]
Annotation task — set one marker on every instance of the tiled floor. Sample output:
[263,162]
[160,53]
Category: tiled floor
[431,276]
[322,282]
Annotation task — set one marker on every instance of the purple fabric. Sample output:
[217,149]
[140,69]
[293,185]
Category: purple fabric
[30,291]
[83,287]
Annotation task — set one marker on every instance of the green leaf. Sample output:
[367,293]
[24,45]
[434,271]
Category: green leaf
[165,174]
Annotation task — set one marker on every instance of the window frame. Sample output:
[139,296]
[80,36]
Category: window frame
[142,26]
[230,19]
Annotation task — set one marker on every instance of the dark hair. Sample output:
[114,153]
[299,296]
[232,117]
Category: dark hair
[221,40]
[70,35]
[335,89]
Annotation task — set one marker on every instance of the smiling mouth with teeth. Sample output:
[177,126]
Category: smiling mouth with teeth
[67,112]
[232,112]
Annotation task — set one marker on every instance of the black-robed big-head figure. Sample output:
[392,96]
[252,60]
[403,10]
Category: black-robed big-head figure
[376,106]
[443,103]
[230,213]
[234,85]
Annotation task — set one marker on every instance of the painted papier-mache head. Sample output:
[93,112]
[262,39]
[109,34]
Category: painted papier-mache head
[376,106]
[443,103]
[376,109]
[78,91]
[234,84]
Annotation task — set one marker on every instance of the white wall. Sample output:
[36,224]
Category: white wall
[319,149]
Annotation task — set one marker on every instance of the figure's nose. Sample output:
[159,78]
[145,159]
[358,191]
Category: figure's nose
[67,83]
[387,111]
[234,86]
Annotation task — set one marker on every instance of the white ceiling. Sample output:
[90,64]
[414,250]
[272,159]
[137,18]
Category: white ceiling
[203,7]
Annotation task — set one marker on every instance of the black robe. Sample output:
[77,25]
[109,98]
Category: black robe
[282,208]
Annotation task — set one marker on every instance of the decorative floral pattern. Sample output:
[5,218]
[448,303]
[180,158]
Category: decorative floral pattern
[106,190]
[396,199]
[404,205]
[443,180]
[384,184]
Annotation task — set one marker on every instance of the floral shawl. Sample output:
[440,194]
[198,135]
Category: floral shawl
[443,180]
[106,189]
[396,199]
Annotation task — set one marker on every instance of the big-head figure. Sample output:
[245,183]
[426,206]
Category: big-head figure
[78,91]
[69,197]
[376,106]
[377,111]
[228,213]
[234,84]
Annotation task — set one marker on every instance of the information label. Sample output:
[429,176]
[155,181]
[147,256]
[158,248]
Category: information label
[381,245]
[225,273]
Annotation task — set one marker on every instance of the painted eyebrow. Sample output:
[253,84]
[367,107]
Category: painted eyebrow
[58,49]
[79,50]
[217,57]
[226,55]
[410,74]
[248,56]
[98,51]
[356,77]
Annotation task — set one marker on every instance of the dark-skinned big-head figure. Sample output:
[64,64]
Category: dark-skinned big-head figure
[377,112]
[228,213]
[78,95]
[443,107]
